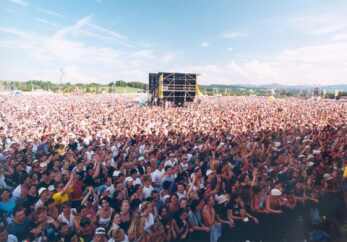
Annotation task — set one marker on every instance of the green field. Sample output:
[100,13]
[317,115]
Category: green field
[127,90]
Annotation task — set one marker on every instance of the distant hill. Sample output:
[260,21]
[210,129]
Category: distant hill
[331,88]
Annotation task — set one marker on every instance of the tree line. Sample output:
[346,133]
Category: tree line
[124,86]
[33,85]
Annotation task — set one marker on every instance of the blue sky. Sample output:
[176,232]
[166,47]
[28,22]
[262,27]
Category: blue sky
[225,41]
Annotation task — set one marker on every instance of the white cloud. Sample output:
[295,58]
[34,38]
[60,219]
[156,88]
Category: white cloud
[230,49]
[114,57]
[313,64]
[340,36]
[14,32]
[204,44]
[320,24]
[20,2]
[81,60]
[234,35]
[44,21]
[85,27]
[50,12]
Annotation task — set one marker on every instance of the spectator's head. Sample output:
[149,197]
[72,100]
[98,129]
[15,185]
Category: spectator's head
[41,214]
[116,219]
[180,187]
[183,203]
[5,195]
[19,214]
[125,206]
[105,204]
[3,233]
[66,208]
[43,193]
[88,227]
[118,235]
[183,214]
[100,235]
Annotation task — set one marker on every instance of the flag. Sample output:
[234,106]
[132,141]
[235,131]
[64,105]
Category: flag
[197,90]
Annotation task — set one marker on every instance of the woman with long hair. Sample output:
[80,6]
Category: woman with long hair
[136,230]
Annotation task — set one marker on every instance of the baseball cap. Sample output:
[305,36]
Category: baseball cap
[41,190]
[275,192]
[51,188]
[100,231]
[209,172]
[116,173]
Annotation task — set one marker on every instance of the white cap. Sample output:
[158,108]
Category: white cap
[275,192]
[327,176]
[43,164]
[51,188]
[316,152]
[129,179]
[310,156]
[141,158]
[116,173]
[165,197]
[222,198]
[209,172]
[246,219]
[41,190]
[100,231]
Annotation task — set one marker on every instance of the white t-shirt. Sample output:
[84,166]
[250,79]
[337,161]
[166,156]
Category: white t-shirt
[156,176]
[181,195]
[137,181]
[12,238]
[115,151]
[17,191]
[149,221]
[147,191]
[90,154]
[110,189]
[34,149]
[39,204]
[169,163]
[142,149]
[124,240]
[69,221]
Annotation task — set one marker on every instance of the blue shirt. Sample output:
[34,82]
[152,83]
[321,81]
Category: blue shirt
[8,206]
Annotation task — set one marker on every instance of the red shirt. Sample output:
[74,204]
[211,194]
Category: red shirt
[77,192]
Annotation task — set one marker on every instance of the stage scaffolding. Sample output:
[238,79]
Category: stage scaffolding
[178,88]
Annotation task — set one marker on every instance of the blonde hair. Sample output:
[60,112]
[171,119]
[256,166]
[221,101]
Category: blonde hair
[136,229]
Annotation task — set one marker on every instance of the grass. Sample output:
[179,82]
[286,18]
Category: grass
[126,90]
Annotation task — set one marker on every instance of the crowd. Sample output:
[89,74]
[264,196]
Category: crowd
[102,168]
